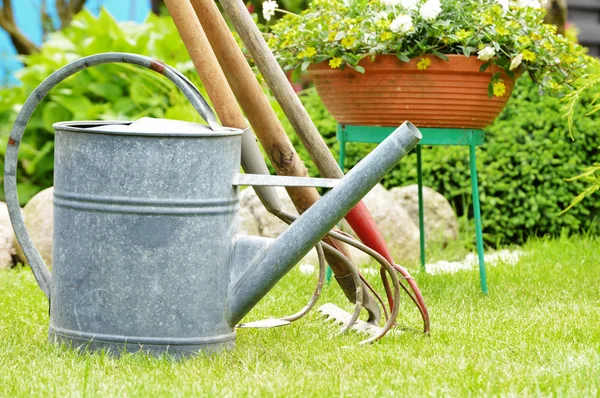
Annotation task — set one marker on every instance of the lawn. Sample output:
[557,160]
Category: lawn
[537,333]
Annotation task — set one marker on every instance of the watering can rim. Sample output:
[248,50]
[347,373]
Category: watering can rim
[85,126]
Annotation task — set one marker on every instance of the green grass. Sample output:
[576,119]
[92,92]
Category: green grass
[537,333]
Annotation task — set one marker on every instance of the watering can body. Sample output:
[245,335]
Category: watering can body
[146,250]
[143,235]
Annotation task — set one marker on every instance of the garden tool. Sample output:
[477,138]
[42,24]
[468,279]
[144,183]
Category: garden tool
[146,251]
[359,218]
[263,119]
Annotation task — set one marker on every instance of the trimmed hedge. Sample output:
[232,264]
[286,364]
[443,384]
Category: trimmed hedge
[521,167]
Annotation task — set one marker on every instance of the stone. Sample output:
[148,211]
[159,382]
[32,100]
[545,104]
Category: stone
[399,231]
[268,225]
[39,219]
[441,223]
[6,238]
[247,223]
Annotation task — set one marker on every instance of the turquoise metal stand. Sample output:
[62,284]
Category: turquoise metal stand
[431,136]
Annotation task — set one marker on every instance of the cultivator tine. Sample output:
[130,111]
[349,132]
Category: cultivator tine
[338,316]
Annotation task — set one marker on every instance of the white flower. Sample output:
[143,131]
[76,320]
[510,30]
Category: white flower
[516,61]
[307,268]
[529,3]
[486,54]
[370,38]
[409,4]
[402,24]
[504,4]
[268,8]
[431,9]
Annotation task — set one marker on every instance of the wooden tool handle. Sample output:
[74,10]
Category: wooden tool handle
[281,88]
[248,92]
[253,101]
[206,63]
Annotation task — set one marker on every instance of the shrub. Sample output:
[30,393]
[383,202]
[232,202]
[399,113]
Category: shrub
[521,167]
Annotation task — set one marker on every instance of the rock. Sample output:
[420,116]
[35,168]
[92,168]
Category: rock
[6,247]
[4,217]
[399,230]
[6,238]
[268,225]
[39,219]
[441,223]
[247,223]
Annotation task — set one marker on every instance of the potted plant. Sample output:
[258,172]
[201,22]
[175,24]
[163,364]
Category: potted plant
[438,63]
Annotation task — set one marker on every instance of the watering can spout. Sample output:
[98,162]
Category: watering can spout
[259,263]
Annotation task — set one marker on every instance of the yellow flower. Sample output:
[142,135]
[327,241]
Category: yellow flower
[502,31]
[463,34]
[528,55]
[348,41]
[423,64]
[499,89]
[310,51]
[331,36]
[536,36]
[386,35]
[551,28]
[382,23]
[335,62]
[300,55]
[569,59]
[524,40]
[548,46]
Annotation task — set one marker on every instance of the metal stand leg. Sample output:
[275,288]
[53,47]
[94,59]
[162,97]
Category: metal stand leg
[477,216]
[421,212]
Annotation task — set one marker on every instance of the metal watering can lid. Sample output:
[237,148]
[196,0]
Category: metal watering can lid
[148,126]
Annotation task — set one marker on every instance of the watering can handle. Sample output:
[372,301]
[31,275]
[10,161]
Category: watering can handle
[40,271]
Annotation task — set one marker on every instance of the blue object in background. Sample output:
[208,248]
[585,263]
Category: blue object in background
[28,18]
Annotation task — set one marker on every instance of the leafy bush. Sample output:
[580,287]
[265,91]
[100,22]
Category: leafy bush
[107,92]
[521,167]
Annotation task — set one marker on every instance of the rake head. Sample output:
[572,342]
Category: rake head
[338,316]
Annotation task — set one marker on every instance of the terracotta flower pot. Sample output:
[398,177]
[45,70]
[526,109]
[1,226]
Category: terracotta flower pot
[451,93]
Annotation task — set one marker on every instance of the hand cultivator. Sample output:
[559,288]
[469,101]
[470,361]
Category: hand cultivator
[146,253]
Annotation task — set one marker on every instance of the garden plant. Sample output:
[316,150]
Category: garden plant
[508,34]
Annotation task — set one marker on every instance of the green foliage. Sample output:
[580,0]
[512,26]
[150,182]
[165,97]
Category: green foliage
[511,35]
[107,92]
[588,83]
[522,167]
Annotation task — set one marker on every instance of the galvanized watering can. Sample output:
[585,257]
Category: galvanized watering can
[146,252]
